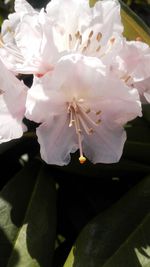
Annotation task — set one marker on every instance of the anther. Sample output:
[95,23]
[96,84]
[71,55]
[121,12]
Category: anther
[82,159]
[112,40]
[91,34]
[98,121]
[77,35]
[99,36]
[88,111]
[127,79]
[91,131]
[98,112]
[1,92]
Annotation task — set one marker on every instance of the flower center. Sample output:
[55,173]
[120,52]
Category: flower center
[77,43]
[80,118]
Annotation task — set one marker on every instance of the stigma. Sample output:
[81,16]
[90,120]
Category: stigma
[84,120]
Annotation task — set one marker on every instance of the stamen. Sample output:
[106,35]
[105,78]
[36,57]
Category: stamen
[99,36]
[84,49]
[98,112]
[70,38]
[91,34]
[1,92]
[71,119]
[98,48]
[127,79]
[98,121]
[77,35]
[88,111]
[80,119]
[85,127]
[112,40]
[91,131]
[88,43]
[80,39]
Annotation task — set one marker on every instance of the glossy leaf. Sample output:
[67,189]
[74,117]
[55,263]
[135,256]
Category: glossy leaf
[134,26]
[28,219]
[119,237]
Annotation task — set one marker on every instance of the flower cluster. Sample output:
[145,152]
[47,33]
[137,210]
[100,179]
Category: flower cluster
[88,82]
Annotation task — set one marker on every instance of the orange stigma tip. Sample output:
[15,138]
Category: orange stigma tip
[82,159]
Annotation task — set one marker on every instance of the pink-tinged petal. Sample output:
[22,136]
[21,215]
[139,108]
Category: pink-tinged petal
[41,97]
[56,140]
[10,127]
[12,105]
[36,44]
[134,59]
[86,106]
[108,16]
[143,88]
[105,145]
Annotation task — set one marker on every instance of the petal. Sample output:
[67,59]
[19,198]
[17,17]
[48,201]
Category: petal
[23,6]
[134,59]
[105,145]
[36,44]
[10,127]
[43,97]
[56,140]
[12,105]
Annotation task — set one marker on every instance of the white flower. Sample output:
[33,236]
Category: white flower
[10,53]
[81,107]
[12,105]
[132,64]
[41,38]
[79,28]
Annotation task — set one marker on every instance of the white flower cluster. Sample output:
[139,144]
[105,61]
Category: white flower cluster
[89,81]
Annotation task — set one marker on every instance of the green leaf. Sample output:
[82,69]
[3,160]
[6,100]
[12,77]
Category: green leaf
[136,250]
[28,219]
[133,26]
[119,237]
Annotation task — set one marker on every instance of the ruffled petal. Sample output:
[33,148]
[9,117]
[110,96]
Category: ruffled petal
[56,140]
[36,44]
[12,105]
[105,145]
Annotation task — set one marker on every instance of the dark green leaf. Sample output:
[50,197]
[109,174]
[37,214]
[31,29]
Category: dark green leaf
[120,237]
[28,219]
